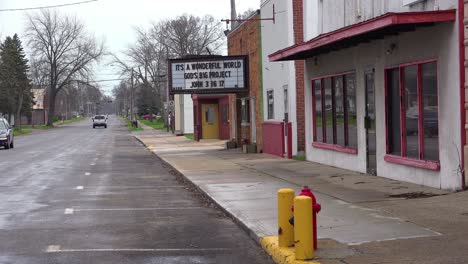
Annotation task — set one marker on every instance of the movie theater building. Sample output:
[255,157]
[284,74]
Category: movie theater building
[383,88]
[209,80]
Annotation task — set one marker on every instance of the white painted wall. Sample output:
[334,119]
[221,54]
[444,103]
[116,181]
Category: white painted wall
[183,107]
[441,42]
[276,75]
[188,114]
[322,16]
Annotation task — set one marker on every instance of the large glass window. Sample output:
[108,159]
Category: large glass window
[339,110]
[318,128]
[351,113]
[413,126]
[430,111]
[334,100]
[393,111]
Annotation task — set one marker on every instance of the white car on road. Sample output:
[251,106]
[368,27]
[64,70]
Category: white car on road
[99,120]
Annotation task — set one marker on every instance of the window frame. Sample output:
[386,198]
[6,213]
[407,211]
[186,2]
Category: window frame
[402,159]
[323,144]
[272,116]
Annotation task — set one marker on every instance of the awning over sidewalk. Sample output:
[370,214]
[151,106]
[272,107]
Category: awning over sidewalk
[376,28]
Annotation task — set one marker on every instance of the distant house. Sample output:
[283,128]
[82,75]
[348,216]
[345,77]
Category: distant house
[39,113]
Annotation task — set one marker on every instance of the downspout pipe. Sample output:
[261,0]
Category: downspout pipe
[461,44]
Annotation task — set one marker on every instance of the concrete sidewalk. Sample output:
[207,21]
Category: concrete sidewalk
[364,219]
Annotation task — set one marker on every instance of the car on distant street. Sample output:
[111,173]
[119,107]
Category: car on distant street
[99,120]
[6,134]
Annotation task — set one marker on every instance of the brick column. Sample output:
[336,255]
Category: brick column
[298,27]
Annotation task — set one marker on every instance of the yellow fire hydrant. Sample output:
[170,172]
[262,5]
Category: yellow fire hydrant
[285,229]
[303,230]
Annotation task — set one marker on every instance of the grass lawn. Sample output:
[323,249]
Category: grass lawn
[68,121]
[189,136]
[22,131]
[129,125]
[156,123]
[299,158]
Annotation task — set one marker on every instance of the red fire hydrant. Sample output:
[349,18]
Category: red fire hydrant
[315,209]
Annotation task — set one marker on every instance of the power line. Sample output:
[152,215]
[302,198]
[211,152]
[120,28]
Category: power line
[45,7]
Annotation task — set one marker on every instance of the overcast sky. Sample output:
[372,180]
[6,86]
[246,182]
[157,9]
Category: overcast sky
[113,20]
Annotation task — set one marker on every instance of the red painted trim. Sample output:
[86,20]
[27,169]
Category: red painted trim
[421,112]
[386,20]
[289,141]
[324,118]
[332,75]
[334,148]
[423,164]
[387,132]
[416,62]
[461,45]
[402,111]
[282,137]
[314,123]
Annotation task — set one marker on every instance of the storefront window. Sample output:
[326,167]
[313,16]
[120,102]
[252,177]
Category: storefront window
[318,128]
[351,114]
[328,111]
[416,122]
[339,110]
[334,107]
[430,111]
[411,110]
[393,105]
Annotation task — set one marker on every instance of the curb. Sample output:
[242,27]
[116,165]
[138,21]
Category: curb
[268,243]
[281,255]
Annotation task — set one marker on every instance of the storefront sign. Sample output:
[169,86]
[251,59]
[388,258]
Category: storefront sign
[220,74]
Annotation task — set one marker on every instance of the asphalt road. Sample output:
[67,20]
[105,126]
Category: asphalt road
[75,194]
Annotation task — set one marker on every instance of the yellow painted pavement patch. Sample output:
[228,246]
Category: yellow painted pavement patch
[281,255]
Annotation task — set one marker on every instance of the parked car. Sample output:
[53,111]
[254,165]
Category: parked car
[99,120]
[6,134]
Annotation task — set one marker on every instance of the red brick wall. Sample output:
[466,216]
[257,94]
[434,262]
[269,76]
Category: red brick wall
[298,26]
[245,40]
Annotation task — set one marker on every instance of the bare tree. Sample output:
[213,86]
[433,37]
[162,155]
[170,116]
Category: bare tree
[179,37]
[64,47]
[190,35]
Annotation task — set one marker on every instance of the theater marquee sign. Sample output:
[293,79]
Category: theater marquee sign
[220,74]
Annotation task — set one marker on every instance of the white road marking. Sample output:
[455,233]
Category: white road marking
[79,187]
[57,249]
[93,164]
[53,248]
[96,158]
[87,173]
[135,209]
[69,211]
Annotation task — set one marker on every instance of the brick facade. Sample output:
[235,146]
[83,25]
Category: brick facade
[298,26]
[245,40]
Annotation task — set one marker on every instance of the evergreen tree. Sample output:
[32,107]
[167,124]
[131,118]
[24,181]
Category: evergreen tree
[15,88]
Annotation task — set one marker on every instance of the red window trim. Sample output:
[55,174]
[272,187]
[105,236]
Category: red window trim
[333,147]
[423,164]
[323,144]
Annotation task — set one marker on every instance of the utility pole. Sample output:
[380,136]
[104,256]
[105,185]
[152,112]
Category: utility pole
[233,14]
[131,98]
